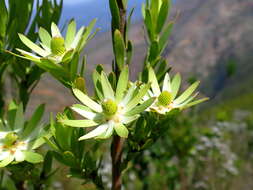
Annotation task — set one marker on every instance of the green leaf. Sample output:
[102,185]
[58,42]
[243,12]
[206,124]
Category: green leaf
[51,145]
[119,49]
[164,39]
[48,163]
[68,56]
[122,83]
[129,52]
[115,14]
[32,45]
[128,24]
[141,108]
[79,123]
[45,37]
[19,118]
[97,84]
[55,30]
[80,84]
[69,158]
[89,29]
[74,66]
[125,3]
[33,157]
[154,83]
[167,83]
[84,111]
[78,38]
[6,161]
[112,80]
[153,52]
[163,14]
[34,121]
[121,130]
[27,55]
[175,85]
[96,132]
[149,25]
[187,93]
[87,101]
[107,133]
[3,21]
[106,86]
[154,8]
[196,102]
[136,100]
[71,32]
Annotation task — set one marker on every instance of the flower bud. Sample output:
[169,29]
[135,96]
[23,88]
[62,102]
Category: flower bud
[165,98]
[109,107]
[57,45]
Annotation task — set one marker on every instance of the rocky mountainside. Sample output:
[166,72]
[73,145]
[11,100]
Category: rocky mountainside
[208,36]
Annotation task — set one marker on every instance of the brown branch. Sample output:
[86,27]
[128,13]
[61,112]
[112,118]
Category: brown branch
[116,154]
[117,143]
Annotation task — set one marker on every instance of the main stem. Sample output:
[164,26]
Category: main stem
[117,143]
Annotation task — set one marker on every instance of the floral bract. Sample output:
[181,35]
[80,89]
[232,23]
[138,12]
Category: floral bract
[114,110]
[167,97]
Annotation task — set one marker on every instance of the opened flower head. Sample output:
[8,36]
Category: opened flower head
[54,47]
[113,111]
[19,139]
[167,97]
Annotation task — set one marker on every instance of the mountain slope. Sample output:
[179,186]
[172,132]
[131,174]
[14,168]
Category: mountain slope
[207,36]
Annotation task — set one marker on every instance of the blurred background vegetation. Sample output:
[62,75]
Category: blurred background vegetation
[211,147]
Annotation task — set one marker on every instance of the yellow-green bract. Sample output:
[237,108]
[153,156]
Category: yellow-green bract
[113,111]
[19,139]
[54,47]
[167,97]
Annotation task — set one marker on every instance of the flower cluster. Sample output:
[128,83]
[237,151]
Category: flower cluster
[167,97]
[19,139]
[115,110]
[54,47]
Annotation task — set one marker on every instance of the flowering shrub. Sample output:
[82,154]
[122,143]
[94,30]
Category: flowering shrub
[134,114]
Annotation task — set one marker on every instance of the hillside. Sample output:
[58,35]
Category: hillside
[206,37]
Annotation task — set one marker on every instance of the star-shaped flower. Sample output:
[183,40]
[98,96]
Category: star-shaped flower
[54,47]
[114,111]
[19,139]
[167,97]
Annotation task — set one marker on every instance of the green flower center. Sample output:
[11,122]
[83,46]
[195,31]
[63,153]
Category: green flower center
[10,139]
[165,98]
[110,107]
[58,45]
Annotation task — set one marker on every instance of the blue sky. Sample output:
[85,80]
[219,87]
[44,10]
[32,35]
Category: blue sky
[83,11]
[72,2]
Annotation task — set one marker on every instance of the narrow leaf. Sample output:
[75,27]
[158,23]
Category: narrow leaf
[187,93]
[87,101]
[119,49]
[32,45]
[106,86]
[79,123]
[121,130]
[96,132]
[71,32]
[33,157]
[141,108]
[122,83]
